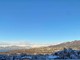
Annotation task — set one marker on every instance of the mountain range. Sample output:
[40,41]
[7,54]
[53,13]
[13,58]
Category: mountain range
[42,50]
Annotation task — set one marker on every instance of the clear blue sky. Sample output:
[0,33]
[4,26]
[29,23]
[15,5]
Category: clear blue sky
[40,21]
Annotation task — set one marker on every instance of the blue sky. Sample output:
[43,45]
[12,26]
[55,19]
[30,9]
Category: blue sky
[40,21]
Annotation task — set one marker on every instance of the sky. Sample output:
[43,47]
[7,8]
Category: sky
[39,21]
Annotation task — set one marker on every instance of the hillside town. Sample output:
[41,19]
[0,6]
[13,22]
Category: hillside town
[63,54]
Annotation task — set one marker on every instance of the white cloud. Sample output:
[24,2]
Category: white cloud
[23,43]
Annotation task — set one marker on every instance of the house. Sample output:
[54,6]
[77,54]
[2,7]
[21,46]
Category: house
[51,57]
[26,58]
